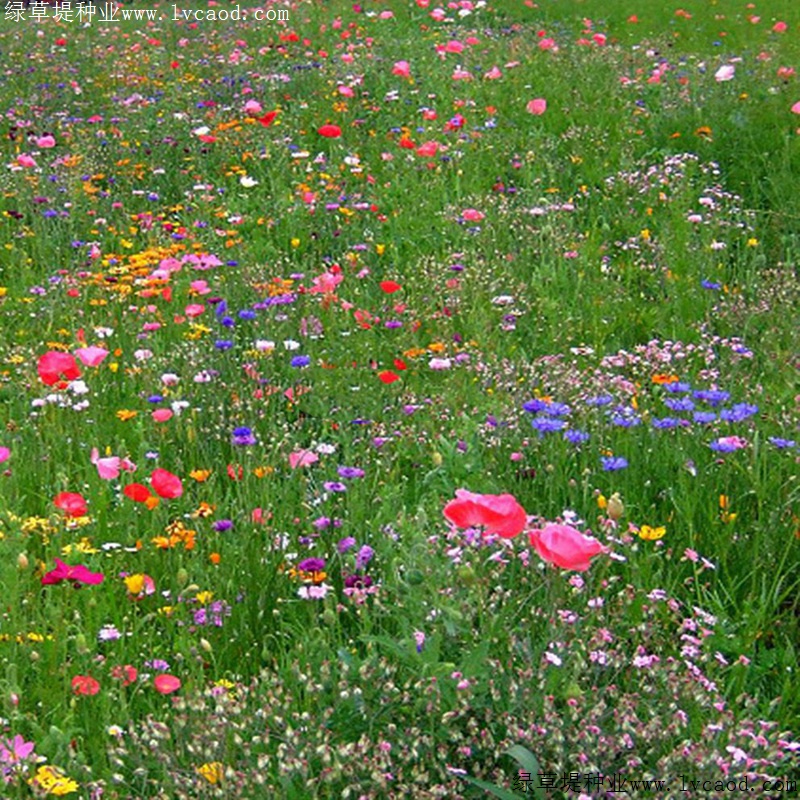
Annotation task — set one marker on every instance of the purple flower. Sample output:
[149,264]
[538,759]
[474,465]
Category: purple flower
[334,486]
[222,525]
[600,400]
[781,444]
[243,436]
[311,565]
[665,423]
[710,285]
[613,463]
[679,403]
[345,544]
[575,436]
[357,581]
[713,397]
[300,361]
[364,556]
[704,417]
[739,412]
[350,472]
[545,425]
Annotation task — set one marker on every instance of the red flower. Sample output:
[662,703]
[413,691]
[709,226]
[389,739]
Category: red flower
[166,484]
[330,131]
[387,376]
[235,472]
[85,684]
[390,287]
[166,683]
[137,492]
[76,574]
[497,513]
[268,118]
[54,366]
[71,503]
[126,674]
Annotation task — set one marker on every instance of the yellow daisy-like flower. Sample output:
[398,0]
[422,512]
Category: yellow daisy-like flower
[212,771]
[651,534]
[134,583]
[204,597]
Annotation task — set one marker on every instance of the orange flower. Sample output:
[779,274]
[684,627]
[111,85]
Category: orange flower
[661,378]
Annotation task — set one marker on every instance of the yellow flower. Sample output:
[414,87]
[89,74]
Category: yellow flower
[204,597]
[134,583]
[125,414]
[53,781]
[602,503]
[261,472]
[752,242]
[651,534]
[200,475]
[212,771]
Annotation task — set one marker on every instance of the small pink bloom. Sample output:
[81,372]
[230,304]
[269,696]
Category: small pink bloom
[252,107]
[5,454]
[402,68]
[493,74]
[162,415]
[24,160]
[499,514]
[91,356]
[472,215]
[725,73]
[565,546]
[429,149]
[780,27]
[46,142]
[537,106]
[302,458]
[796,108]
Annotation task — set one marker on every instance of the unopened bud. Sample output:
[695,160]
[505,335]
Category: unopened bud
[80,644]
[615,508]
[182,577]
[22,561]
[437,458]
[206,645]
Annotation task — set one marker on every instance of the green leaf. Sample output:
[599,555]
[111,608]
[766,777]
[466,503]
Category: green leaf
[497,791]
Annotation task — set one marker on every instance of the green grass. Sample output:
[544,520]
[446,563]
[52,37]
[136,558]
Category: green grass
[638,229]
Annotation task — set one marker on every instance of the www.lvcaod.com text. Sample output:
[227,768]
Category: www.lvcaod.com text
[112,12]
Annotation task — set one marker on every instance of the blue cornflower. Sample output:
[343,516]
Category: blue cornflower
[547,425]
[679,403]
[301,361]
[738,412]
[713,397]
[575,436]
[613,463]
[243,436]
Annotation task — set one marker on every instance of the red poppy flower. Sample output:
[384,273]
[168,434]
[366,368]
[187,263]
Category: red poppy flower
[166,683]
[400,364]
[268,118]
[126,674]
[55,366]
[71,503]
[137,492]
[166,484]
[390,287]
[387,376]
[330,131]
[85,684]
[500,514]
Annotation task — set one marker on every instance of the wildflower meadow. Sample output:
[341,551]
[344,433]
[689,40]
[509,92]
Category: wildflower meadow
[399,399]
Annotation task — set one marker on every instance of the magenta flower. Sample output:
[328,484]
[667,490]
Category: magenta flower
[76,574]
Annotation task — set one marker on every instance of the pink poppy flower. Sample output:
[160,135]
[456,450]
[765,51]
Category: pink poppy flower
[537,106]
[5,454]
[161,415]
[91,356]
[472,215]
[46,142]
[76,574]
[796,108]
[500,514]
[166,683]
[402,68]
[166,484]
[24,160]
[725,73]
[565,546]
[302,458]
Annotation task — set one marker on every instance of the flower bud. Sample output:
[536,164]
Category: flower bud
[206,645]
[22,561]
[182,577]
[615,508]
